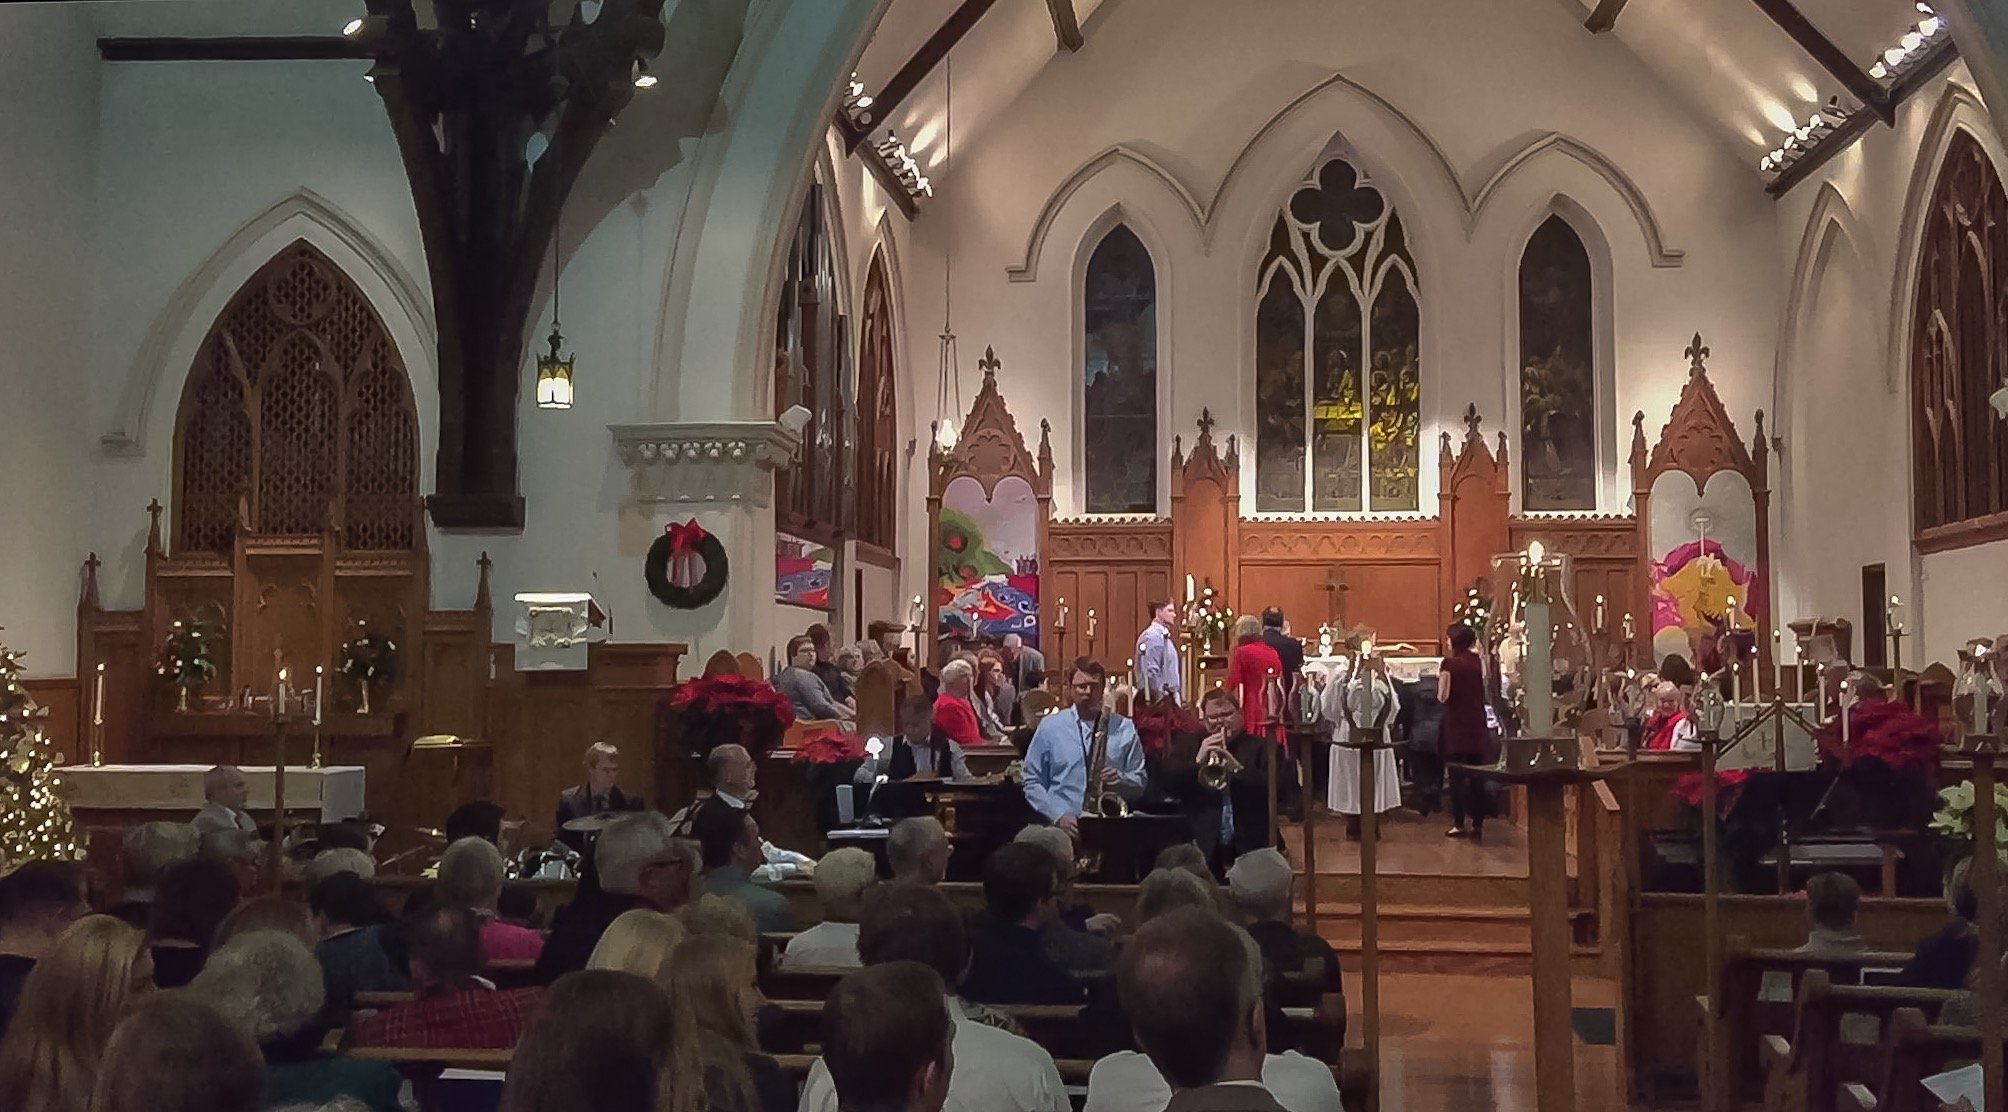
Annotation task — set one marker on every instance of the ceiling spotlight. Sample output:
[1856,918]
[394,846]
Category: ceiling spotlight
[1911,40]
[1894,55]
[353,28]
[1931,26]
[1924,8]
[1879,71]
[642,78]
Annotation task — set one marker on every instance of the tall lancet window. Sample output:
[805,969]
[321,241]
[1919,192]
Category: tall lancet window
[1338,382]
[1558,387]
[1119,377]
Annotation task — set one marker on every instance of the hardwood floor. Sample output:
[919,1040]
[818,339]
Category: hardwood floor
[1455,1043]
[1414,846]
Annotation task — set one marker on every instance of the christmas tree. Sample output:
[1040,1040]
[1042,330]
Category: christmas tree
[35,823]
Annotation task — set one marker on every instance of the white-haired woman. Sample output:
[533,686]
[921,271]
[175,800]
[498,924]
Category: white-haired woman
[1669,728]
[954,725]
[268,984]
[470,876]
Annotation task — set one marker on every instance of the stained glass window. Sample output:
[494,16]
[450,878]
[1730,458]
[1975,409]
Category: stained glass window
[1558,390]
[1119,377]
[1337,372]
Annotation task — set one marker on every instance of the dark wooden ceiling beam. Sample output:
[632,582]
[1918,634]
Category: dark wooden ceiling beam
[1830,57]
[913,72]
[274,48]
[1605,16]
[1854,127]
[1066,24]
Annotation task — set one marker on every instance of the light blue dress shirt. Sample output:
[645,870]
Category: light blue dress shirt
[1157,658]
[1056,764]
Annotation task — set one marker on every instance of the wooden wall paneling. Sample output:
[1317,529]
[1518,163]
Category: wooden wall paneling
[284,593]
[1604,557]
[1116,569]
[1475,497]
[67,718]
[381,593]
[1393,578]
[1205,511]
[118,639]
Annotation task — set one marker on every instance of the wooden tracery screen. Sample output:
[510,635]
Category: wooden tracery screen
[811,369]
[297,418]
[878,414]
[1958,335]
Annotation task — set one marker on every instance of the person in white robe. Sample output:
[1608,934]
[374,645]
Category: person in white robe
[1367,699]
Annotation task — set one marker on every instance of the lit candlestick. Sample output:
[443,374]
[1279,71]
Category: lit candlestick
[1731,616]
[915,611]
[1777,664]
[1735,692]
[1597,617]
[1189,589]
[98,700]
[1091,623]
[318,671]
[1841,705]
[280,706]
[1539,668]
[1630,629]
[1063,611]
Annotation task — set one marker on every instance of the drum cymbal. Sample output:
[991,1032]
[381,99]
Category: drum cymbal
[593,824]
[430,832]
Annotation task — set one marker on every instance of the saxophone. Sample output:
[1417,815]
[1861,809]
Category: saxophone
[1099,801]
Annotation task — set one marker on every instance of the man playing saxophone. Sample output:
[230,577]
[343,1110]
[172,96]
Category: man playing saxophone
[1056,764]
[1220,779]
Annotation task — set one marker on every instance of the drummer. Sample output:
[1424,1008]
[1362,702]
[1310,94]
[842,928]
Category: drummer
[598,795]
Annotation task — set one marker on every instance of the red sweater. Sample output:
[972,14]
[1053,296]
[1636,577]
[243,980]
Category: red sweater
[1248,675]
[955,719]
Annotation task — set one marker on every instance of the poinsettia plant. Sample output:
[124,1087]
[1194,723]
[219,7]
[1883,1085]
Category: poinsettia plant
[1156,722]
[1887,731]
[826,745]
[717,710]
[1954,818]
[1729,784]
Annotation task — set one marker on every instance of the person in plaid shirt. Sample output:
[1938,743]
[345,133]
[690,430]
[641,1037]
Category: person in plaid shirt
[454,1007]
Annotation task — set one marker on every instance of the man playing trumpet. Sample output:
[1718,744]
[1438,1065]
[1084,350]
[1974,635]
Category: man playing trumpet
[1221,780]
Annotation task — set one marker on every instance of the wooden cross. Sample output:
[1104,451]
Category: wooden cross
[1206,423]
[1335,589]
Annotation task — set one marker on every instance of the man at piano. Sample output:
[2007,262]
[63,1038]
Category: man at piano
[598,794]
[1056,764]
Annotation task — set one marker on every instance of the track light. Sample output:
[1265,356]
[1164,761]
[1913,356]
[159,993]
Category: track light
[353,29]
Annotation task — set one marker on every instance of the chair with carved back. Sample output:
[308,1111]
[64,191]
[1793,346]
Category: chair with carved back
[877,694]
[1834,1040]
[1741,1009]
[1913,1051]
[749,666]
[721,663]
[1036,704]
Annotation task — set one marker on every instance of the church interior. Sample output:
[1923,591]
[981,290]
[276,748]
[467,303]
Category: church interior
[469,385]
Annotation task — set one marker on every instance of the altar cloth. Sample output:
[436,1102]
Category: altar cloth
[334,792]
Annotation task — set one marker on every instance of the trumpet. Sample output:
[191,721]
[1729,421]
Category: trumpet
[1216,768]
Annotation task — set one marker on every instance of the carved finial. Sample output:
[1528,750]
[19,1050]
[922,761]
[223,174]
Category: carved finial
[1760,445]
[1501,453]
[91,566]
[1472,421]
[1045,446]
[1444,458]
[1233,453]
[482,600]
[1177,451]
[1206,424]
[989,364]
[1697,358]
[153,527]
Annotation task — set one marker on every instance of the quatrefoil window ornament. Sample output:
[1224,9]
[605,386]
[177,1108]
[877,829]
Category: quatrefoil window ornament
[1339,208]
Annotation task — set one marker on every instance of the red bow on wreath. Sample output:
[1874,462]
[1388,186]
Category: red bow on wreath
[685,566]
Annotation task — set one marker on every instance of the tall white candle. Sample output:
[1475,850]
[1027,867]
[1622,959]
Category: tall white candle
[1063,611]
[1188,587]
[1777,664]
[1597,617]
[282,693]
[1735,692]
[318,673]
[98,701]
[1540,668]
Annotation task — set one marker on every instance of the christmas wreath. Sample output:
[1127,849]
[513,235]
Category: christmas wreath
[685,567]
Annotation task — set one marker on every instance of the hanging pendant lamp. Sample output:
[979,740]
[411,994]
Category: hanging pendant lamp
[948,412]
[554,372]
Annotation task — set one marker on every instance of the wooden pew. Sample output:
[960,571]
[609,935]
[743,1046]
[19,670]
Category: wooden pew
[1916,1050]
[1805,1073]
[1738,1019]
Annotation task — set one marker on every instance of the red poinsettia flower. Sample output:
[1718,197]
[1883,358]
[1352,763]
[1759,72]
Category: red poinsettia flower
[1885,730]
[828,746]
[1728,789]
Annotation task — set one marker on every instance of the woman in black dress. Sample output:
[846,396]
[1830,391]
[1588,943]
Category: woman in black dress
[1462,737]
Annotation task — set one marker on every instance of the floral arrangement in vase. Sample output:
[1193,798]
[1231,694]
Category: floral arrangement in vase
[369,658]
[1208,619]
[185,661]
[1954,819]
[717,710]
[1475,611]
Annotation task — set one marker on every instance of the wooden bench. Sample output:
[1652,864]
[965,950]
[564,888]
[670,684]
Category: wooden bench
[1916,1050]
[1805,1072]
[1735,1016]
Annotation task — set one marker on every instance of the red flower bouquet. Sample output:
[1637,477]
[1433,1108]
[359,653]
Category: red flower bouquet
[827,746]
[717,710]
[1156,722]
[1888,731]
[1728,789]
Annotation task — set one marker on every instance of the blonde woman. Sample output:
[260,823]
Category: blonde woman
[70,1005]
[715,1064]
[641,942]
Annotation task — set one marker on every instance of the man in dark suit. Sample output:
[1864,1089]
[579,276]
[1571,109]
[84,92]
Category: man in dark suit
[1288,648]
[1192,985]
[597,795]
[1227,823]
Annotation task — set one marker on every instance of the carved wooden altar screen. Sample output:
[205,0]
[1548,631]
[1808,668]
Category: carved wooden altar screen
[989,505]
[1702,502]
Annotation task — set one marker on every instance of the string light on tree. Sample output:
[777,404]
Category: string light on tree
[35,822]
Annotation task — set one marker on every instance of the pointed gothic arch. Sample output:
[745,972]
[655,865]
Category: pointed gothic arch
[876,462]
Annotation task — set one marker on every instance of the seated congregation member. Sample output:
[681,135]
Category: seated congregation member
[995,700]
[826,667]
[1260,885]
[1250,667]
[886,1049]
[1945,959]
[452,1006]
[1192,985]
[1024,668]
[470,876]
[73,998]
[1056,763]
[1008,960]
[353,949]
[1668,728]
[954,723]
[149,850]
[996,1068]
[734,778]
[1127,1081]
[598,1044]
[599,794]
[193,900]
[270,912]
[715,1063]
[918,849]
[841,879]
[173,1054]
[1234,820]
[729,840]
[268,985]
[805,690]
[1073,948]
[479,818]
[639,864]
[38,902]
[328,862]
[224,792]
[641,942]
[1831,902]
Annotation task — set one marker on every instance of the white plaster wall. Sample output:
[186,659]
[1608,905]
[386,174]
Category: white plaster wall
[48,95]
[1211,143]
[1842,383]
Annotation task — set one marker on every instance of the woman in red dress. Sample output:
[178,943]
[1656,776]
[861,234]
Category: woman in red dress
[1461,739]
[1248,671]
